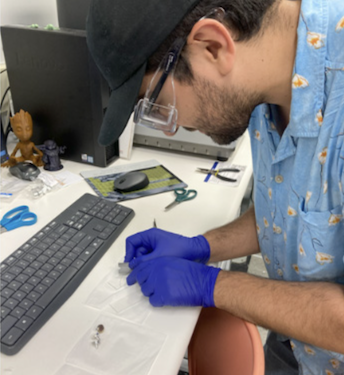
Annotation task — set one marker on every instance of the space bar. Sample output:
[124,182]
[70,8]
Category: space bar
[56,288]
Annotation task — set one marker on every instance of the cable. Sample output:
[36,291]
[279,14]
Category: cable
[8,128]
[4,96]
[3,71]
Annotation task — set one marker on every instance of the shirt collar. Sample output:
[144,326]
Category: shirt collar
[309,70]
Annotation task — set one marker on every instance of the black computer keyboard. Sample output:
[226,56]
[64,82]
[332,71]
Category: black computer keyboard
[42,274]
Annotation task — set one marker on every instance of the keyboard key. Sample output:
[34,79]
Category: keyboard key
[34,312]
[11,303]
[41,274]
[53,261]
[12,336]
[14,285]
[24,323]
[78,263]
[10,260]
[86,241]
[22,278]
[57,287]
[33,296]
[40,288]
[47,281]
[3,267]
[6,293]
[19,295]
[22,264]
[34,280]
[18,312]
[36,265]
[15,270]
[7,324]
[49,241]
[54,275]
[26,288]
[18,253]
[36,251]
[8,277]
[47,267]
[86,255]
[60,268]
[3,284]
[29,271]
[4,312]
[26,304]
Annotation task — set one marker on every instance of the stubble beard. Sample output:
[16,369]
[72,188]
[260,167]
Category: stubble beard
[224,116]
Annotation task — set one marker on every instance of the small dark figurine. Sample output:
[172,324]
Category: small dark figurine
[21,124]
[51,154]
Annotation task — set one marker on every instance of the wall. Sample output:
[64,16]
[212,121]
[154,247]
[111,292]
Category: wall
[27,12]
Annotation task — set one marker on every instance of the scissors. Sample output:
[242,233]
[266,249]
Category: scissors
[217,173]
[182,195]
[18,217]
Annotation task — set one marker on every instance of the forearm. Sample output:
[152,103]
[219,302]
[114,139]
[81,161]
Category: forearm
[236,239]
[312,312]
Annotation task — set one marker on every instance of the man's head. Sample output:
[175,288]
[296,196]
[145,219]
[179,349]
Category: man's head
[130,39]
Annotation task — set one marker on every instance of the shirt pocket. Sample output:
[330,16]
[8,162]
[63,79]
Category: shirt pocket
[321,244]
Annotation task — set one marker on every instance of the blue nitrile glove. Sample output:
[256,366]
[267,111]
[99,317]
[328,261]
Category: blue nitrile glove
[175,282]
[155,243]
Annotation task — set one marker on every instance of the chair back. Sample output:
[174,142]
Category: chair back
[223,344]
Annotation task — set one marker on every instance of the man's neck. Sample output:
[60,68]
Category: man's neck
[266,64]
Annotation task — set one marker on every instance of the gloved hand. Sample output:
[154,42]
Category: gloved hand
[175,282]
[155,243]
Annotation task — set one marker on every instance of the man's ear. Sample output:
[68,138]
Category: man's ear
[211,41]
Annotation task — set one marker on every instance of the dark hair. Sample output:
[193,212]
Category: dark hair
[244,17]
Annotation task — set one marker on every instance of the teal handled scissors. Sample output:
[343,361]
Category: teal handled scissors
[182,195]
[18,217]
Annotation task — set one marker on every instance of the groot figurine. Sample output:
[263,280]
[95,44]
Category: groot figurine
[22,127]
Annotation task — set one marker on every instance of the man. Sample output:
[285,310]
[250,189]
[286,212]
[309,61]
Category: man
[275,67]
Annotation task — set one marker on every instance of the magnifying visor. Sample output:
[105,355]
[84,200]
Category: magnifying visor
[147,111]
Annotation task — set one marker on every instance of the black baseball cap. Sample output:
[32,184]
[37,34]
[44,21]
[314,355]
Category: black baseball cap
[121,36]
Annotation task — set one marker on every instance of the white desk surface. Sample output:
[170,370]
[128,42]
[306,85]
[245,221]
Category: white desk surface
[215,205]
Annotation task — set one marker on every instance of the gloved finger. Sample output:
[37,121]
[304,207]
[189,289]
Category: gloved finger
[156,301]
[134,242]
[144,258]
[142,274]
[131,278]
[142,251]
[139,274]
[147,289]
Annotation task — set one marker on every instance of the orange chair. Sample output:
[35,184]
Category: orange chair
[223,344]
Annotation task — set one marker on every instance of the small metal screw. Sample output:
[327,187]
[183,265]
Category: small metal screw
[96,339]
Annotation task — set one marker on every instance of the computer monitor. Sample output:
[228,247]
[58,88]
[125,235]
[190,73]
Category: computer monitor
[53,77]
[72,14]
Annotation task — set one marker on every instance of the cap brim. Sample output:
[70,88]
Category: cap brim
[120,106]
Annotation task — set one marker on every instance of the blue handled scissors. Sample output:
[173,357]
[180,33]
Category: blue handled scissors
[18,217]
[182,195]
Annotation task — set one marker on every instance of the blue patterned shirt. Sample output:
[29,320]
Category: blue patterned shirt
[299,177]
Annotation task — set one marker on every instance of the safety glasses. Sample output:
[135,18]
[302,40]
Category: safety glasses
[147,111]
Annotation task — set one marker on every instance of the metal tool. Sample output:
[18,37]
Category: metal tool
[217,173]
[18,217]
[182,195]
[124,268]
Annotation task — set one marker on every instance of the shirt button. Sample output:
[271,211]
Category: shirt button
[279,179]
